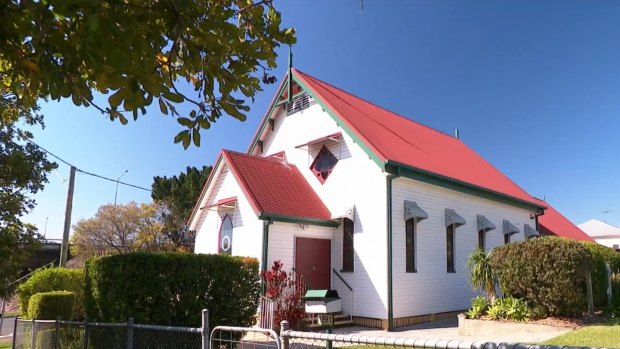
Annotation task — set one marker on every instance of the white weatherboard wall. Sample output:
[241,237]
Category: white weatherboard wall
[432,289]
[355,180]
[247,228]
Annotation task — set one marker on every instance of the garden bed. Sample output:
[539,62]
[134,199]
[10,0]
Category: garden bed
[485,328]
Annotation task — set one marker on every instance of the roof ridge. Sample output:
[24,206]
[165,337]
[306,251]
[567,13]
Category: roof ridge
[378,106]
[257,157]
[363,113]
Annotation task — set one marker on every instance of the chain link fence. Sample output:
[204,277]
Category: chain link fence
[58,334]
[314,340]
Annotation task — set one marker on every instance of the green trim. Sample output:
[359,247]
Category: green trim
[290,73]
[298,220]
[454,184]
[266,119]
[371,154]
[204,189]
[390,296]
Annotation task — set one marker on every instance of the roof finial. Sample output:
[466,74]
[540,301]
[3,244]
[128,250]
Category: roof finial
[290,73]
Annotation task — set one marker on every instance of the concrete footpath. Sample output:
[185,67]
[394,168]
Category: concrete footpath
[448,330]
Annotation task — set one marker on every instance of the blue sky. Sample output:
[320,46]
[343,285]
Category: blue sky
[533,86]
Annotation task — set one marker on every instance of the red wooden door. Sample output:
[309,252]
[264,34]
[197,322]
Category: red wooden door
[313,261]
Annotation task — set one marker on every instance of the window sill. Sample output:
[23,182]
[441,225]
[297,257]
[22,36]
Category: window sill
[411,271]
[346,271]
[451,271]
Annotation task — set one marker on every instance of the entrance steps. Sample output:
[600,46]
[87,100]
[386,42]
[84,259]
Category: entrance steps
[340,320]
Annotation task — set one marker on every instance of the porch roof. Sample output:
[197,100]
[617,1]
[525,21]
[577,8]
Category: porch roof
[275,188]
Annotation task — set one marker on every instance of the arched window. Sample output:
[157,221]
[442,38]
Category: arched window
[226,235]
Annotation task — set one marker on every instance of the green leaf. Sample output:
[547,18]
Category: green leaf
[122,119]
[181,136]
[185,122]
[116,99]
[232,110]
[162,107]
[196,136]
[173,97]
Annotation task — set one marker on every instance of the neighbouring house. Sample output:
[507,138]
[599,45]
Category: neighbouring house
[603,233]
[554,223]
[362,200]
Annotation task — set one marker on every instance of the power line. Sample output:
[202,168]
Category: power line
[86,172]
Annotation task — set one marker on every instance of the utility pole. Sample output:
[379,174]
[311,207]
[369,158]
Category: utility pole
[64,248]
[116,191]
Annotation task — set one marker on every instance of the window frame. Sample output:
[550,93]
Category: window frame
[319,174]
[411,232]
[220,250]
[348,246]
[450,240]
[482,237]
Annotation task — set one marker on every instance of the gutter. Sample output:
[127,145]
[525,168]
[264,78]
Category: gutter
[451,183]
[299,220]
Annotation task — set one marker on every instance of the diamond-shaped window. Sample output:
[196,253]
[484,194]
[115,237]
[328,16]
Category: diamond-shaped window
[323,164]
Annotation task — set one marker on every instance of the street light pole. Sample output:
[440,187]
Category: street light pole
[116,192]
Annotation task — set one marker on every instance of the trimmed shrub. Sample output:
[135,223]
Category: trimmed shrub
[172,288]
[54,279]
[609,255]
[547,272]
[51,305]
[601,255]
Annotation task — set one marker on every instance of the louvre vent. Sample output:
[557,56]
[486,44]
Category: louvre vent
[298,103]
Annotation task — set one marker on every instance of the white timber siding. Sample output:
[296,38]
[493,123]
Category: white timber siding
[247,228]
[356,180]
[432,289]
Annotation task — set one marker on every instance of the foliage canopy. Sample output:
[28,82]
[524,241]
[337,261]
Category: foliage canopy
[23,172]
[139,52]
[176,197]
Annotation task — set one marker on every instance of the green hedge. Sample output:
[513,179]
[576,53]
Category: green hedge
[51,305]
[609,255]
[172,288]
[549,273]
[602,255]
[54,279]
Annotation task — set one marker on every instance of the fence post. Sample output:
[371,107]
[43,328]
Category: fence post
[33,336]
[205,329]
[130,333]
[57,341]
[284,326]
[86,334]
[15,332]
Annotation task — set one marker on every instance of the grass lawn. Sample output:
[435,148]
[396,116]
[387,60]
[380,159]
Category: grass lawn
[5,344]
[598,335]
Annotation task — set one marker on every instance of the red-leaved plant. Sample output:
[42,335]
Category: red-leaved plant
[286,290]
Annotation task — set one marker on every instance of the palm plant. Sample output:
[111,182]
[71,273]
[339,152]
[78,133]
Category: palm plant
[481,274]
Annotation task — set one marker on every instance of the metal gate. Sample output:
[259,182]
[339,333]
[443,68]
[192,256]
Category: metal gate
[223,337]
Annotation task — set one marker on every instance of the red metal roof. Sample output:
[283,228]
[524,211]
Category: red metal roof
[554,223]
[274,187]
[399,139]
